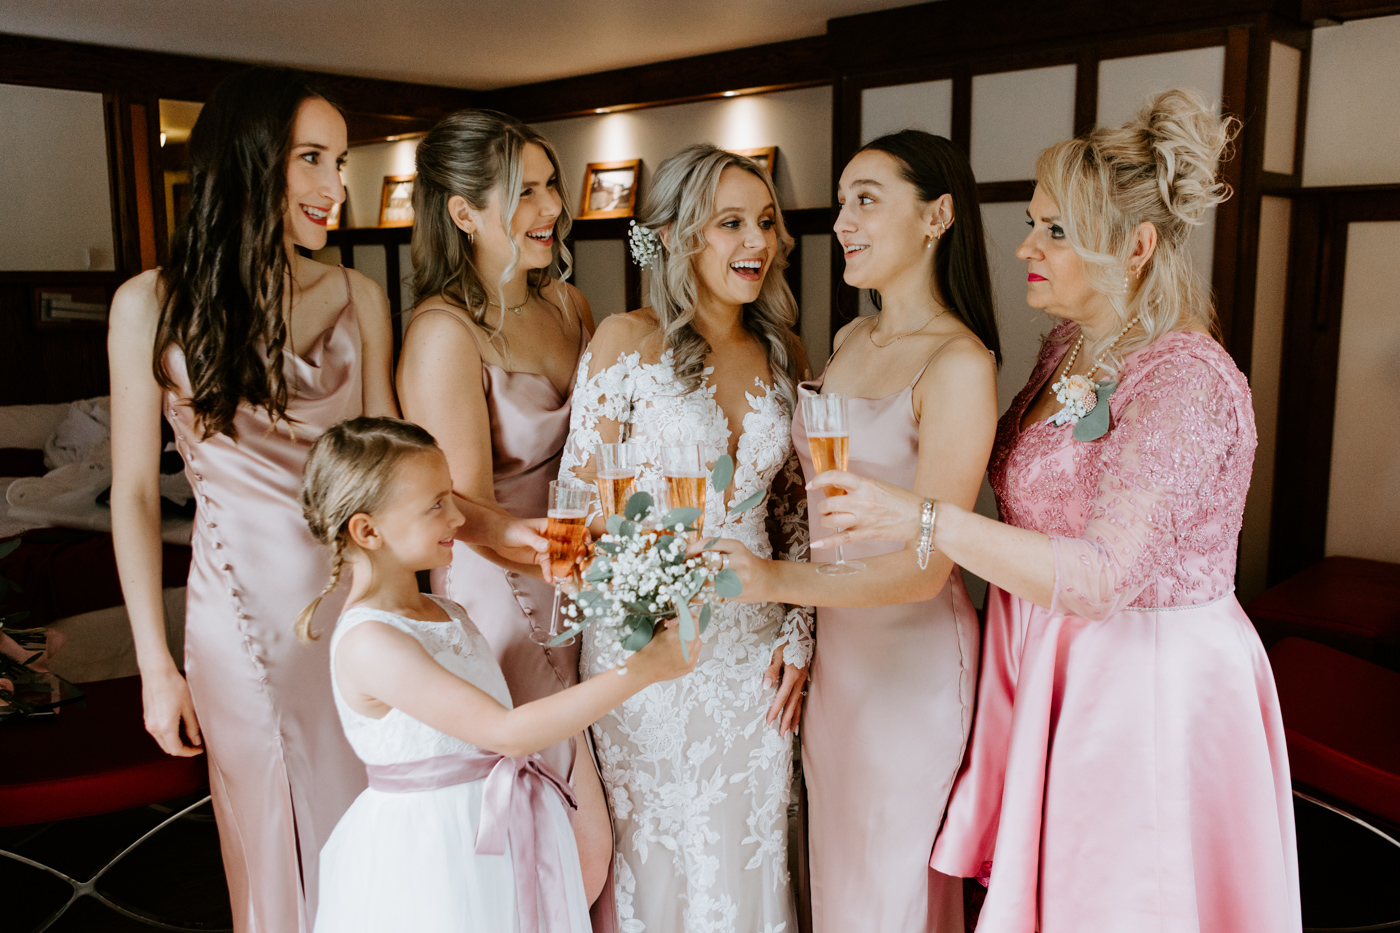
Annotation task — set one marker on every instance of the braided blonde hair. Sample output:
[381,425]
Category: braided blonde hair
[349,471]
[1159,167]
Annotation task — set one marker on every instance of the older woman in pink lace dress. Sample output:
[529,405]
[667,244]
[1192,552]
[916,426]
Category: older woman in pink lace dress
[1127,768]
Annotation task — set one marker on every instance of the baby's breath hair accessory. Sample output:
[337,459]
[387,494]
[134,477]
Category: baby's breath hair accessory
[646,244]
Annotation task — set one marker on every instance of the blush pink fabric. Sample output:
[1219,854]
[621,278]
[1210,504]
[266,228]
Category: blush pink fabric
[512,811]
[1127,769]
[280,769]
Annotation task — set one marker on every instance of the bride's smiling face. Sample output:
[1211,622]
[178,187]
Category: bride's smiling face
[741,240]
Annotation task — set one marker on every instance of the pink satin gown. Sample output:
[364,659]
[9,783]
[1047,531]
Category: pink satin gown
[889,707]
[529,424]
[1127,769]
[280,769]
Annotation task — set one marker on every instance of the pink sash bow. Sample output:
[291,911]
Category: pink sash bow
[512,807]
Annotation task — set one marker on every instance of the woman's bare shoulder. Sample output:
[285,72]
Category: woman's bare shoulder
[620,335]
[136,303]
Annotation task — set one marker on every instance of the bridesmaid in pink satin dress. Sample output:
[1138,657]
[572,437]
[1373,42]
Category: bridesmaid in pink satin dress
[258,701]
[1127,769]
[895,667]
[489,356]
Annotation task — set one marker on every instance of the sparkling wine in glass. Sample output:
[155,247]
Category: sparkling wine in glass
[829,439]
[616,477]
[687,479]
[568,536]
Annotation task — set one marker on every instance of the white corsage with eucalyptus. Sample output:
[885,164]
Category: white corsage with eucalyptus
[641,575]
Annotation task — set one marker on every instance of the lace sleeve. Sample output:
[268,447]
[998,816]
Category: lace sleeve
[787,529]
[1168,445]
[601,411]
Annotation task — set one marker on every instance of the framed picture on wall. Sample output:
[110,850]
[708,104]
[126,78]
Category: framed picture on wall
[396,205]
[766,156]
[610,189]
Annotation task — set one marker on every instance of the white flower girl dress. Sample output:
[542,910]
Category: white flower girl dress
[448,837]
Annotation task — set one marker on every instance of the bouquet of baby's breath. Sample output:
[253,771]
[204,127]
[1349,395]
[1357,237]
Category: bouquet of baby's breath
[640,575]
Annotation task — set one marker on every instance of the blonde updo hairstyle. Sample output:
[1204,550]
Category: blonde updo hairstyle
[350,470]
[1161,168]
[679,205]
[472,153]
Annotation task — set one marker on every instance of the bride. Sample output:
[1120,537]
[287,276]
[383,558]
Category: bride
[698,772]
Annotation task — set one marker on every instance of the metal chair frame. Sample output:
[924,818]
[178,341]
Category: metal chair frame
[88,888]
[1391,925]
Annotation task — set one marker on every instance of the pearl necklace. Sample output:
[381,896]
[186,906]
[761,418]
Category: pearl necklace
[1078,394]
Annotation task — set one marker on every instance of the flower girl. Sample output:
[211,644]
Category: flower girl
[463,827]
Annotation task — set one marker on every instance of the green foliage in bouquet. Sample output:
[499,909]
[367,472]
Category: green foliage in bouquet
[641,576]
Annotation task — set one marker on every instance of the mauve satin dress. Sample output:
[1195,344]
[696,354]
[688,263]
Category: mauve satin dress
[889,707]
[529,424]
[1128,769]
[280,769]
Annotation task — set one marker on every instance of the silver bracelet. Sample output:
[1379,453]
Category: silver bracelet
[928,517]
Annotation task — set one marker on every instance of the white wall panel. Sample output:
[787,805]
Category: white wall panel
[55,201]
[797,122]
[1126,83]
[1363,505]
[1354,104]
[1016,114]
[1271,287]
[925,106]
[600,272]
[1281,122]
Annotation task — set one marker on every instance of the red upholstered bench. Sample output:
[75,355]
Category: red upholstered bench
[90,760]
[1346,602]
[1342,718]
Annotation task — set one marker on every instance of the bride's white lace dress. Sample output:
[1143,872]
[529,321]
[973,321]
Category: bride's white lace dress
[697,781]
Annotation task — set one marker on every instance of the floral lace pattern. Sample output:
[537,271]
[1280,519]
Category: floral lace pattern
[697,782]
[457,646]
[1149,515]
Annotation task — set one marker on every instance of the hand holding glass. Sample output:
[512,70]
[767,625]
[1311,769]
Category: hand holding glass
[829,438]
[567,532]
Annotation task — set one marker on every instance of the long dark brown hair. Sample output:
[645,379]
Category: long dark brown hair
[224,284]
[935,167]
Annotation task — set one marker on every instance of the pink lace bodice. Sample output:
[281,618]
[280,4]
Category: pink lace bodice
[1149,515]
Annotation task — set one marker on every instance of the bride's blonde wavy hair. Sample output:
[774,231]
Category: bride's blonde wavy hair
[680,203]
[1159,167]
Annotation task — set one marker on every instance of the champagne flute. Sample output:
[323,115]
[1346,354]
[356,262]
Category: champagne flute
[829,438]
[616,477]
[567,532]
[687,479]
[660,492]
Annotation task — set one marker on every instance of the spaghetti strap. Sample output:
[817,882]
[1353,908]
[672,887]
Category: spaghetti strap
[933,356]
[349,292]
[454,317]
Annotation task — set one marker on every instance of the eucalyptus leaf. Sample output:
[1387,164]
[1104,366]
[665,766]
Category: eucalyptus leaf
[749,503]
[637,505]
[589,598]
[565,635]
[670,554]
[598,575]
[608,547]
[722,473]
[728,584]
[8,547]
[710,543]
[685,515]
[1094,425]
[705,617]
[687,629]
[614,524]
[637,639]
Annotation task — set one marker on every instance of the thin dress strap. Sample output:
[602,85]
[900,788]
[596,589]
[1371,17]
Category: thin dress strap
[933,356]
[454,317]
[349,292]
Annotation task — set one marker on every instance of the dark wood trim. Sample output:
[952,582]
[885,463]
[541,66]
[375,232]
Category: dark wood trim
[997,192]
[775,66]
[1240,170]
[41,277]
[1343,10]
[79,66]
[1310,361]
[1086,92]
[845,140]
[960,124]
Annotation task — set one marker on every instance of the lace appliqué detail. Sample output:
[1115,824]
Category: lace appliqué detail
[457,646]
[697,781]
[1149,515]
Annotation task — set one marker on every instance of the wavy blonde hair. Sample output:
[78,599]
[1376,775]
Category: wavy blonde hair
[682,198]
[472,153]
[350,470]
[1161,168]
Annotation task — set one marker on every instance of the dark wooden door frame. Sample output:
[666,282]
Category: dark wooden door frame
[1309,365]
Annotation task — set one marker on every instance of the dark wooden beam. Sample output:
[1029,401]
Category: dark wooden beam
[796,63]
[81,67]
[964,27]
[1342,10]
